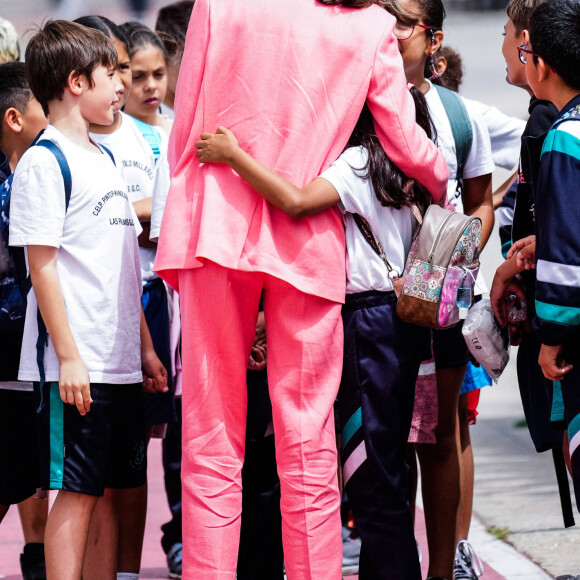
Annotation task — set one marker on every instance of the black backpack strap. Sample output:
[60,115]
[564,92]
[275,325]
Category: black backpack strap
[460,127]
[42,341]
[563,486]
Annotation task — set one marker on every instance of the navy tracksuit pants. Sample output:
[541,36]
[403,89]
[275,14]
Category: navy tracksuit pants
[382,355]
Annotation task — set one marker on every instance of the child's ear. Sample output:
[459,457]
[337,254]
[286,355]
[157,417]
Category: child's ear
[13,120]
[525,36]
[76,82]
[542,69]
[437,40]
[441,64]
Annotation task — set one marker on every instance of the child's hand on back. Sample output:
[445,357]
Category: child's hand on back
[218,147]
[154,373]
[74,385]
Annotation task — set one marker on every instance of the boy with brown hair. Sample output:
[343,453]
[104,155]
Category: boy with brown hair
[84,267]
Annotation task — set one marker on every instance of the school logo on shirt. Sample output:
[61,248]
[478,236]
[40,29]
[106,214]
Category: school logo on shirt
[108,196]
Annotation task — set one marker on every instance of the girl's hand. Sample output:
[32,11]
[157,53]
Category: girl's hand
[520,244]
[154,373]
[218,147]
[526,257]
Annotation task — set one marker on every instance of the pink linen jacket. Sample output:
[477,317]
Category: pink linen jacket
[289,78]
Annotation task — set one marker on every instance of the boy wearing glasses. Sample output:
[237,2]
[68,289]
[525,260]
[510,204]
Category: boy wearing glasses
[535,389]
[553,70]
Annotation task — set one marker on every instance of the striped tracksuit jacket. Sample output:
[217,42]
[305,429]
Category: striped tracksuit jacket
[557,301]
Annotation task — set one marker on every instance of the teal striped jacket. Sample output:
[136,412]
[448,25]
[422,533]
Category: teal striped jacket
[557,206]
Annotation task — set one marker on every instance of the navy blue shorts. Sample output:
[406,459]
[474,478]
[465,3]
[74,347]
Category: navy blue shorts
[19,463]
[104,448]
[449,347]
[159,407]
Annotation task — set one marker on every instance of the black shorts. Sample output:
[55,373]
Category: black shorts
[105,448]
[449,347]
[159,407]
[19,463]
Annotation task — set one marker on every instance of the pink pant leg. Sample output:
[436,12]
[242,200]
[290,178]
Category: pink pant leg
[219,310]
[305,347]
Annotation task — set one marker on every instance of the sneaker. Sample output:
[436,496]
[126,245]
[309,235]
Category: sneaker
[32,562]
[350,553]
[174,560]
[467,566]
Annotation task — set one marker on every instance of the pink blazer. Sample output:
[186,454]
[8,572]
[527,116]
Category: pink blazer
[289,78]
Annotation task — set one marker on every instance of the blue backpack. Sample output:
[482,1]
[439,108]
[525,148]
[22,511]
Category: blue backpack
[14,281]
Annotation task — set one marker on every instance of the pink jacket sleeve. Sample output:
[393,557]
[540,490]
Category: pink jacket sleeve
[393,109]
[188,93]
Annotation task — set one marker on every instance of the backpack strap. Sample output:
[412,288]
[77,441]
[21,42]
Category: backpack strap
[151,135]
[460,127]
[42,340]
[64,167]
[109,153]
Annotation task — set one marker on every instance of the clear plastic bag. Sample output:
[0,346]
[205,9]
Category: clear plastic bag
[486,341]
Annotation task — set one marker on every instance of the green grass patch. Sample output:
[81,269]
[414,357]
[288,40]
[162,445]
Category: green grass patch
[521,423]
[499,533]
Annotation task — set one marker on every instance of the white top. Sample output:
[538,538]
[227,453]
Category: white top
[159,197]
[479,162]
[135,160]
[161,189]
[394,228]
[505,133]
[97,262]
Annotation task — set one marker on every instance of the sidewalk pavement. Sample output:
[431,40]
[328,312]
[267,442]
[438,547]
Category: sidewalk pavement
[501,561]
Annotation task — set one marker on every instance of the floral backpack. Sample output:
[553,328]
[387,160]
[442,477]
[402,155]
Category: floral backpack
[444,258]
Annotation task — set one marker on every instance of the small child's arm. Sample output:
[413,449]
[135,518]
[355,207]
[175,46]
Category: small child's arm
[74,383]
[154,373]
[222,147]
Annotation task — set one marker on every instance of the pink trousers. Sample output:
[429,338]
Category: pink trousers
[304,338]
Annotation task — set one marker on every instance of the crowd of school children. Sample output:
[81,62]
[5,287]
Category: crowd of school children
[91,357]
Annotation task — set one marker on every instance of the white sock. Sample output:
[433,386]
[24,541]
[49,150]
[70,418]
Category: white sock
[127,576]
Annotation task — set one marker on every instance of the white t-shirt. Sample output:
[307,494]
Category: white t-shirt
[135,160]
[159,197]
[479,162]
[394,228]
[161,190]
[97,262]
[505,133]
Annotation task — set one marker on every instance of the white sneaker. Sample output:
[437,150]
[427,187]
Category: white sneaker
[467,566]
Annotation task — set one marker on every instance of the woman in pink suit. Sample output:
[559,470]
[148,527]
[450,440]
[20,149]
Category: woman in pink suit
[290,79]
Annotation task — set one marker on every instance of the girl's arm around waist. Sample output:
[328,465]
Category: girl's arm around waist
[222,147]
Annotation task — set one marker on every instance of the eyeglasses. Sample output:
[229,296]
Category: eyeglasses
[403,31]
[522,51]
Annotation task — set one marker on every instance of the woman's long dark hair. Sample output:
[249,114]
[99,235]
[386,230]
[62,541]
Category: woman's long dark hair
[392,187]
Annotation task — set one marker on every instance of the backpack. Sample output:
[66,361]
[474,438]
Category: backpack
[460,128]
[151,135]
[441,268]
[14,281]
